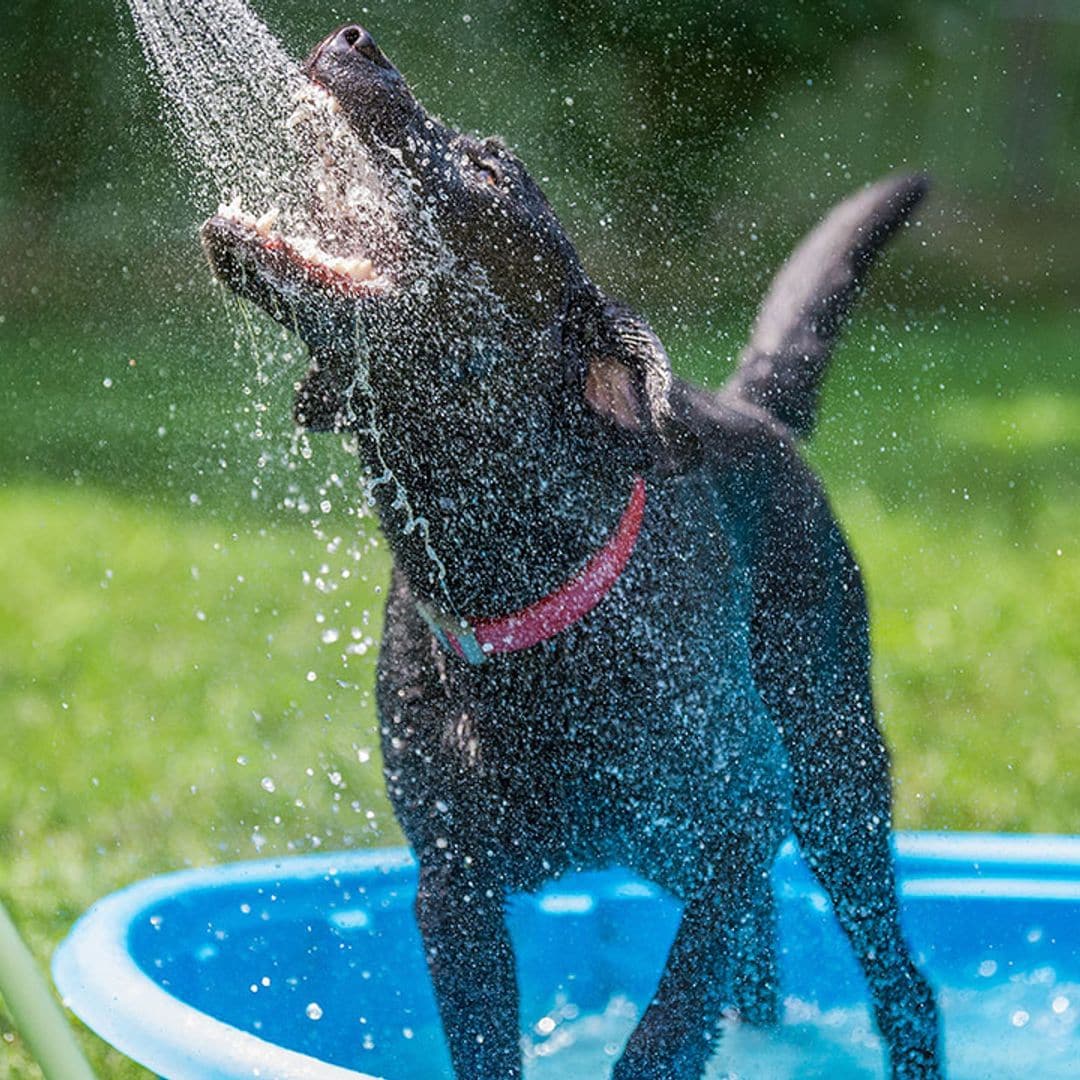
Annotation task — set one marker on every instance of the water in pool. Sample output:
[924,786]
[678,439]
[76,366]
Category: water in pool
[347,984]
[1025,1026]
[331,965]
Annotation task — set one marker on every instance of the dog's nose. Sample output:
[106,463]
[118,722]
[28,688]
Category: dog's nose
[355,39]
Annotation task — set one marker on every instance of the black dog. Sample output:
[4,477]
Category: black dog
[624,627]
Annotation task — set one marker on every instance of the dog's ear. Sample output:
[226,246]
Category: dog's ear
[628,385]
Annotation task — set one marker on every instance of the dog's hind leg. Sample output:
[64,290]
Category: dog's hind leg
[717,962]
[810,646]
[755,991]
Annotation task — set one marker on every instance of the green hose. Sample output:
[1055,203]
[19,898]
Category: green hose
[35,1011]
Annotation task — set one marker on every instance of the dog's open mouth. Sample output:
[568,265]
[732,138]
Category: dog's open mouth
[353,275]
[339,241]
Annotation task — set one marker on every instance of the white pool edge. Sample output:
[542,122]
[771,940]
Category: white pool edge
[149,1025]
[158,1030]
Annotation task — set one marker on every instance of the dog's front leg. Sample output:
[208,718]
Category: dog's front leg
[460,914]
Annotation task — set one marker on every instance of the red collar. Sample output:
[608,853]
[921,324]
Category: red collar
[477,640]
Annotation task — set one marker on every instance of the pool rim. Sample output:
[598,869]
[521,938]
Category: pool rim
[137,1016]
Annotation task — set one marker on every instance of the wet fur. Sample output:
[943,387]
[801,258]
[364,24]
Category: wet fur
[718,698]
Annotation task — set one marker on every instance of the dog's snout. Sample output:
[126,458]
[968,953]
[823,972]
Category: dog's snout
[355,39]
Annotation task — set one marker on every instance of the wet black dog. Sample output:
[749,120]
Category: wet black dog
[624,627]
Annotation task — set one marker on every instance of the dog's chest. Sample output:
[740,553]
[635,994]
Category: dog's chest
[639,754]
[635,737]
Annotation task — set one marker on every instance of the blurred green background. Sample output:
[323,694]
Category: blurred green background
[190,603]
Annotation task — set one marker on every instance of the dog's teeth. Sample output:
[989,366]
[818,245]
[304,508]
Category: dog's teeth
[267,221]
[300,115]
[360,269]
[307,249]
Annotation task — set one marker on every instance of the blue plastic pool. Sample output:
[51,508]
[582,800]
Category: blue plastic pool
[311,967]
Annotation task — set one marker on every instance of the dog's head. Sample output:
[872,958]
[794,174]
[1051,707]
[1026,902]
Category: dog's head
[446,310]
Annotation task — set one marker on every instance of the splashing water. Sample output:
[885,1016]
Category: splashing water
[264,139]
[259,134]
[231,85]
[1025,1026]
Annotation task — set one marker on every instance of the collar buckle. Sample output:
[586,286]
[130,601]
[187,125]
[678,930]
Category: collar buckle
[454,634]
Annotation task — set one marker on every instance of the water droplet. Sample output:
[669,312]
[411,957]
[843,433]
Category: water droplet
[313,1011]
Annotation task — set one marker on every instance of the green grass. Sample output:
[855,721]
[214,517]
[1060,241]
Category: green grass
[154,680]
[172,648]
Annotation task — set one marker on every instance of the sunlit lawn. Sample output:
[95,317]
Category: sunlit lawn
[185,671]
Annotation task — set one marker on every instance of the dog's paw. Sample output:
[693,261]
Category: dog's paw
[917,1065]
[626,1069]
[652,1053]
[909,1022]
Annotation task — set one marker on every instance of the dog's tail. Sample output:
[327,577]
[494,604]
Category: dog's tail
[782,367]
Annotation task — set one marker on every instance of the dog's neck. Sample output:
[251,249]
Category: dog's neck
[477,640]
[485,520]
